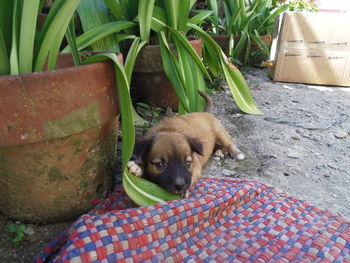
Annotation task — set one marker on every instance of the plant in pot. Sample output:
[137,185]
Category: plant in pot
[168,21]
[58,128]
[244,27]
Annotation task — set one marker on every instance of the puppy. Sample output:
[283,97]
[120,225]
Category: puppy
[172,153]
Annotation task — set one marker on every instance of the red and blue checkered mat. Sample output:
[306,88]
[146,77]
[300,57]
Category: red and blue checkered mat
[224,220]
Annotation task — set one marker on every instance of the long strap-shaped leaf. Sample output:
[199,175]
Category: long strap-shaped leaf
[182,16]
[116,9]
[129,66]
[172,70]
[4,58]
[14,66]
[172,11]
[93,13]
[192,75]
[273,15]
[158,22]
[238,86]
[145,18]
[100,32]
[59,24]
[128,131]
[27,33]
[200,17]
[71,39]
[186,44]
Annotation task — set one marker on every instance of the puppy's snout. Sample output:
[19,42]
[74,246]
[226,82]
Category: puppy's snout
[179,184]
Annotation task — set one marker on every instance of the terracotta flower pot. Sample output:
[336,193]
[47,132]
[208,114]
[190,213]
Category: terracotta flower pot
[223,41]
[153,86]
[58,135]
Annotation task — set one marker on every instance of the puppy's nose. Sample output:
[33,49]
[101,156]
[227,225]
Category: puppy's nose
[179,184]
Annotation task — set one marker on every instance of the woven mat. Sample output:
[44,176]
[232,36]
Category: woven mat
[224,220]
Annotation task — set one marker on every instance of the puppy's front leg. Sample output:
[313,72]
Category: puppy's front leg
[226,144]
[135,169]
[196,169]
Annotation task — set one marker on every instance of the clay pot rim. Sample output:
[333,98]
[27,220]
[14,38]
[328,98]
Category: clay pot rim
[59,69]
[191,40]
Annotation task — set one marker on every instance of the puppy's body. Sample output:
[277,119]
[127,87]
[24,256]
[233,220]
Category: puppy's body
[173,152]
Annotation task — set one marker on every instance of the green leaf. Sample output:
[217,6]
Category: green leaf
[200,17]
[27,33]
[247,50]
[186,44]
[116,9]
[99,32]
[14,63]
[261,44]
[240,45]
[185,69]
[93,13]
[57,28]
[71,39]
[55,8]
[172,11]
[239,88]
[213,4]
[54,51]
[129,66]
[144,192]
[128,131]
[145,17]
[158,19]
[172,70]
[4,58]
[274,13]
[6,14]
[184,12]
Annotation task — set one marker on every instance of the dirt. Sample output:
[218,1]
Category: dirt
[300,146]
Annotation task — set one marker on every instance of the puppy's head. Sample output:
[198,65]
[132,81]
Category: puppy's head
[167,160]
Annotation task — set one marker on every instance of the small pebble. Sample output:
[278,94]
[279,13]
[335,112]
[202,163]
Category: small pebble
[294,154]
[341,134]
[219,154]
[307,135]
[296,137]
[316,138]
[226,172]
[326,175]
[286,174]
[29,231]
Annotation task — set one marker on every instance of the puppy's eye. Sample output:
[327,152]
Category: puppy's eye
[159,165]
[188,164]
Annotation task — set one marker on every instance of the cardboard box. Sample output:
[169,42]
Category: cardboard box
[311,48]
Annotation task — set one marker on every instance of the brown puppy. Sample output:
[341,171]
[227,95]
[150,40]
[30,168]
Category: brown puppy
[172,153]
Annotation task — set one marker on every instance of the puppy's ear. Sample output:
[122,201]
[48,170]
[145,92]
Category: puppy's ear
[196,145]
[143,146]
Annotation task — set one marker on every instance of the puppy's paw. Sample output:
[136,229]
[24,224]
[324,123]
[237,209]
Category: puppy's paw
[239,156]
[186,194]
[134,169]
